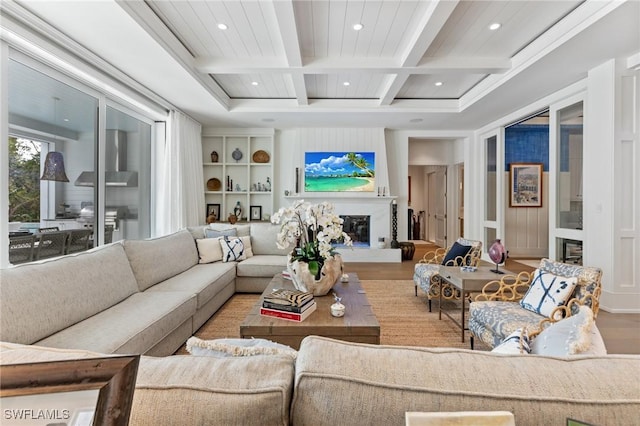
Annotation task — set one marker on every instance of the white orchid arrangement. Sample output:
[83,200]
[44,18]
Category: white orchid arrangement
[312,229]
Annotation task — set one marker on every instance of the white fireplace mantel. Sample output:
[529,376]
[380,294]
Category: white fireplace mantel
[379,211]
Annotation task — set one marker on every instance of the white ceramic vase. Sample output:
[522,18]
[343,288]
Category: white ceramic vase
[303,280]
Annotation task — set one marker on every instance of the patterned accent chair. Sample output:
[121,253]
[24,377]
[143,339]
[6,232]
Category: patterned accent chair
[496,312]
[425,274]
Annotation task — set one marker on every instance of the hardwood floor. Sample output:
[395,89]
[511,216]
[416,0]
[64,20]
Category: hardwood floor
[621,332]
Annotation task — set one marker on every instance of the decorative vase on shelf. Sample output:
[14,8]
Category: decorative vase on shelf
[232,218]
[498,254]
[236,154]
[237,210]
[214,157]
[305,281]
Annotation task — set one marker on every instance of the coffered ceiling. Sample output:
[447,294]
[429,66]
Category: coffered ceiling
[413,64]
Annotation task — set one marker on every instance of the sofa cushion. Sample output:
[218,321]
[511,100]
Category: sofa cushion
[40,299]
[130,327]
[153,260]
[205,281]
[241,230]
[209,250]
[15,353]
[214,233]
[493,321]
[263,239]
[376,385]
[261,266]
[547,291]
[195,390]
[456,254]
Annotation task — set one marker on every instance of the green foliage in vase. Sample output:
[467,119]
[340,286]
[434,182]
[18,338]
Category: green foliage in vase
[312,229]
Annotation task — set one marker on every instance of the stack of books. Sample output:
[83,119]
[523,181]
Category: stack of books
[292,305]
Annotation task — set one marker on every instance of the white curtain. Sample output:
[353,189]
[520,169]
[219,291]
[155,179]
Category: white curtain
[181,195]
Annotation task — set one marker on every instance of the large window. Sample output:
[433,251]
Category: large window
[104,185]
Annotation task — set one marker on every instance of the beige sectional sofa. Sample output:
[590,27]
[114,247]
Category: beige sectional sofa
[133,296]
[148,297]
[334,383]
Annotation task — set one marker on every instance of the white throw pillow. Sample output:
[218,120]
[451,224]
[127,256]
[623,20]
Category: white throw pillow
[209,250]
[237,347]
[248,251]
[547,291]
[516,343]
[232,249]
[576,335]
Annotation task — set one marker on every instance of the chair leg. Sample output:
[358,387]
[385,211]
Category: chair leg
[415,288]
[429,305]
[471,341]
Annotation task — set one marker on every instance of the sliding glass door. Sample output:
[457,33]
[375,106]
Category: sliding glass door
[567,144]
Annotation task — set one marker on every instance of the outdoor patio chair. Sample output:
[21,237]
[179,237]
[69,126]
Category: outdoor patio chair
[21,249]
[533,300]
[51,244]
[462,252]
[78,240]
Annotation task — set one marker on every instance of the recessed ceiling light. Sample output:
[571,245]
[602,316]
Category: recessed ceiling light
[254,83]
[416,120]
[358,27]
[438,83]
[346,83]
[222,26]
[495,26]
[65,119]
[268,120]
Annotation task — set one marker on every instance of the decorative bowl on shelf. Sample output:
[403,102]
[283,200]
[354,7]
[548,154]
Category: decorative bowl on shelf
[214,184]
[260,156]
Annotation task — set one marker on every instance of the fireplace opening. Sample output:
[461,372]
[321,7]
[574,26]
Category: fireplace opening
[357,227]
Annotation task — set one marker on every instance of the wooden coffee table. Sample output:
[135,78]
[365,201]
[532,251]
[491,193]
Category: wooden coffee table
[359,324]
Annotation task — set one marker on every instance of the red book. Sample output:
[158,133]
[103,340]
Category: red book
[291,316]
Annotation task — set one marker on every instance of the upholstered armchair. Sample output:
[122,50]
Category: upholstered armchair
[425,275]
[533,300]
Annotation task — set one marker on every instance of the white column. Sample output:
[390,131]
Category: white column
[612,184]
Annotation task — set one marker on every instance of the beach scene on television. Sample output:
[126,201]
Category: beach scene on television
[339,171]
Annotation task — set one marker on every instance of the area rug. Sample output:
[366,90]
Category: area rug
[404,319]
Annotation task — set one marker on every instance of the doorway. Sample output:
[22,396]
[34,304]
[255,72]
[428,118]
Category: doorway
[437,205]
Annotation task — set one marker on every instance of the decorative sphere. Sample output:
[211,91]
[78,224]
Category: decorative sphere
[497,252]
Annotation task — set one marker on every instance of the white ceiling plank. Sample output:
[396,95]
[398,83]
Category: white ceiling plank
[434,19]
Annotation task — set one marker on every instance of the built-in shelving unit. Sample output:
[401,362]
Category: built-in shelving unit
[242,178]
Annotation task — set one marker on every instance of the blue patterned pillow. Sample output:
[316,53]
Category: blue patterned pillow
[232,249]
[547,291]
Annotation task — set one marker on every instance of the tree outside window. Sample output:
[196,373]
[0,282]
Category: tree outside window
[24,180]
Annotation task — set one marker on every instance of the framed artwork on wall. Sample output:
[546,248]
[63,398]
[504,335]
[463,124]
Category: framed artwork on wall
[525,185]
[339,171]
[256,212]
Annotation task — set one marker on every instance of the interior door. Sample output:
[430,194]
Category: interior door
[440,189]
[431,207]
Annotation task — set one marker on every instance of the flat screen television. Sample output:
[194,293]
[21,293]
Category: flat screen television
[339,171]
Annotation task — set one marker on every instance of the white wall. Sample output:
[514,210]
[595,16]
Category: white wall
[527,229]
